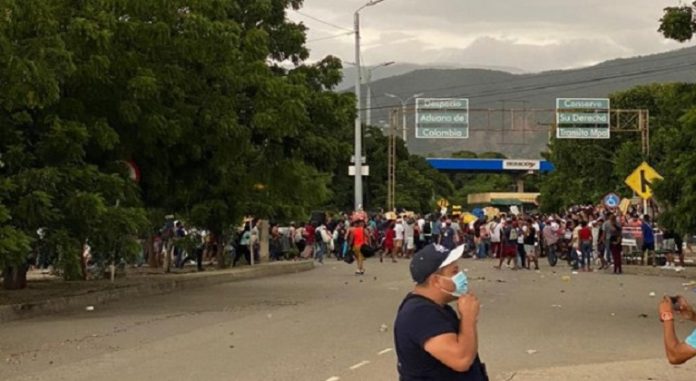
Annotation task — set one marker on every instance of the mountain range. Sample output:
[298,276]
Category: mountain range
[512,112]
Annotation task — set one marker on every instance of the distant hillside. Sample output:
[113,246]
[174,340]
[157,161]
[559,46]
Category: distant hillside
[403,68]
[497,89]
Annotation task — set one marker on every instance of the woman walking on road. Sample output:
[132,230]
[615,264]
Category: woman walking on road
[358,237]
[389,243]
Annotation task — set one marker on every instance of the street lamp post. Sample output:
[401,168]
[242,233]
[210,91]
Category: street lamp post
[368,81]
[403,112]
[358,123]
[367,74]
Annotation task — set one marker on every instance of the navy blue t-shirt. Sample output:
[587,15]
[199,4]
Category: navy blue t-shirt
[447,237]
[420,319]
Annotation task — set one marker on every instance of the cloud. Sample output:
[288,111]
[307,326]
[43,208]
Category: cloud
[532,35]
[507,52]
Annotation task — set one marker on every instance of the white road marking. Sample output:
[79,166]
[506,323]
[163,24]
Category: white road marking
[334,378]
[385,351]
[358,365]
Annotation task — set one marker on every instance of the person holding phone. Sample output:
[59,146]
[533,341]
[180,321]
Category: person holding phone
[678,352]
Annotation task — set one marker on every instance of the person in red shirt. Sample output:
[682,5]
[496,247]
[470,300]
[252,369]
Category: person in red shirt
[358,238]
[585,238]
[389,243]
[309,238]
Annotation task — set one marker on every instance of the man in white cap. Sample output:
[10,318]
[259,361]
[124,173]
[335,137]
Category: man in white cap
[431,341]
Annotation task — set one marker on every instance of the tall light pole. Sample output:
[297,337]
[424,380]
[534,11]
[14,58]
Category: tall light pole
[358,123]
[367,74]
[404,102]
[368,81]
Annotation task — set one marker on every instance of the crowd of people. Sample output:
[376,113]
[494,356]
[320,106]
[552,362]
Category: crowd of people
[588,238]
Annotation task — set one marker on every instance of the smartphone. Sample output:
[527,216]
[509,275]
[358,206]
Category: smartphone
[675,303]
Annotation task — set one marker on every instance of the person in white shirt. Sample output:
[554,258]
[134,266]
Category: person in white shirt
[399,237]
[495,228]
[409,237]
[421,223]
[422,238]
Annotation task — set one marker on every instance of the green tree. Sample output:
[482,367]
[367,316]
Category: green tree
[678,23]
[58,172]
[418,185]
[585,171]
[218,125]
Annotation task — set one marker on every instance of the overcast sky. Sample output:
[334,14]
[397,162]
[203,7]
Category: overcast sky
[532,35]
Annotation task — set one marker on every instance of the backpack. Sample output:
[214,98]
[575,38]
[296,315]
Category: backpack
[317,235]
[427,230]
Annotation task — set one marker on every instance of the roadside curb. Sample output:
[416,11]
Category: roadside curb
[153,287]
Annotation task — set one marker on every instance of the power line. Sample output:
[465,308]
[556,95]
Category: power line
[323,22]
[587,82]
[548,76]
[547,87]
[551,75]
[330,37]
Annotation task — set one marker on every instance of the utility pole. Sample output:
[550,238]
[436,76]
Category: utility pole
[358,123]
[391,160]
[368,81]
[404,102]
[358,184]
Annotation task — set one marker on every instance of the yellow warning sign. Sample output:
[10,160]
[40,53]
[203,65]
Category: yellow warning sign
[641,180]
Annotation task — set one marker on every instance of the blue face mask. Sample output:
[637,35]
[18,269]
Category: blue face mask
[461,285]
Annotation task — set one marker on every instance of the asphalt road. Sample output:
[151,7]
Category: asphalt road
[328,324]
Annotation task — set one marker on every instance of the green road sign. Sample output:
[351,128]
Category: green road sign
[442,118]
[583,118]
[575,118]
[582,104]
[582,133]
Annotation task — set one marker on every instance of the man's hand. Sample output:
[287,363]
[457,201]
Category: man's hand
[468,306]
[685,309]
[665,305]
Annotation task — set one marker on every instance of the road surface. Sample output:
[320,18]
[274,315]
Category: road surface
[328,324]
